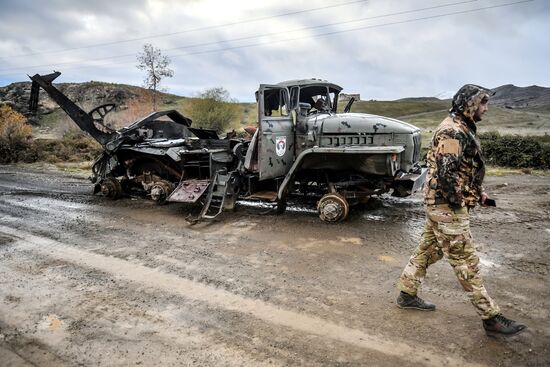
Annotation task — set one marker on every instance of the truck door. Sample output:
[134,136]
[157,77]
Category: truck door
[276,135]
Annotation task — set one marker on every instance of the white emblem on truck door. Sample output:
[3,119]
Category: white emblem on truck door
[280,145]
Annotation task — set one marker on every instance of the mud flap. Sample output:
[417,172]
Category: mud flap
[188,191]
[410,183]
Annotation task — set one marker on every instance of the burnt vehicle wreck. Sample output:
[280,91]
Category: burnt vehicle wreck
[301,146]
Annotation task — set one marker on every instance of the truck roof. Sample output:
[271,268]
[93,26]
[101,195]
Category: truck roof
[308,82]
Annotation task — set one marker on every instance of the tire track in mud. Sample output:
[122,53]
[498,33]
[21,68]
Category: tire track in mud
[231,302]
[99,323]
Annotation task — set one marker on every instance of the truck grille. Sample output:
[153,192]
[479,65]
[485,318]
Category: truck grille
[345,140]
[417,142]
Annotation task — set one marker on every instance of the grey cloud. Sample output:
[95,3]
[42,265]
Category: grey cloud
[492,47]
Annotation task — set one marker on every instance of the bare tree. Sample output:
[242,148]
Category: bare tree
[156,67]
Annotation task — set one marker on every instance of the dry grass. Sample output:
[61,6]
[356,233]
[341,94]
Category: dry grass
[15,135]
[134,109]
[398,109]
[73,147]
[503,120]
[505,171]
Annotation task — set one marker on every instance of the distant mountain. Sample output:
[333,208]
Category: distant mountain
[521,97]
[508,96]
[445,95]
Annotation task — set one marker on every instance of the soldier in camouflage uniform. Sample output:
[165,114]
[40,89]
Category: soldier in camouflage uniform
[453,187]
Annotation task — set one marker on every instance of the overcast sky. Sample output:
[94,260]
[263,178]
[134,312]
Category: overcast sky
[381,49]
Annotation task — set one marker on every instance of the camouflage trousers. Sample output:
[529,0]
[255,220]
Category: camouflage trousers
[447,233]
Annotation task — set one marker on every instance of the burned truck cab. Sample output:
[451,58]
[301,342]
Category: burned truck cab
[342,157]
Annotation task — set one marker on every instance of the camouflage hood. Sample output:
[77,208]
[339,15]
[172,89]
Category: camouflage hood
[467,100]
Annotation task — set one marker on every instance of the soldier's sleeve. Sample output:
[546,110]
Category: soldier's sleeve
[448,153]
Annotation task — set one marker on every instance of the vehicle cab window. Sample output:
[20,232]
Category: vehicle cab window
[318,97]
[276,103]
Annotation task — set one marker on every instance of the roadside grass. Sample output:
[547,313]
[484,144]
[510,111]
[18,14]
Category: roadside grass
[77,168]
[525,122]
[80,169]
[398,109]
[50,120]
[504,120]
[71,148]
[505,171]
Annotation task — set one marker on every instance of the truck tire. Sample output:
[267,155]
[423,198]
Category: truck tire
[160,191]
[111,188]
[281,206]
[333,207]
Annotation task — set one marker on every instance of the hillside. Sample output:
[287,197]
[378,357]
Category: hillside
[513,110]
[88,94]
[511,96]
[400,108]
[132,103]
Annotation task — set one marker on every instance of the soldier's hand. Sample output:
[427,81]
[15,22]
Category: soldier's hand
[483,198]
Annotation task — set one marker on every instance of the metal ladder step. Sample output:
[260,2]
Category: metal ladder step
[216,196]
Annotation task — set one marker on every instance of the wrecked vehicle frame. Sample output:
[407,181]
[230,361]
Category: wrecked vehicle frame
[300,145]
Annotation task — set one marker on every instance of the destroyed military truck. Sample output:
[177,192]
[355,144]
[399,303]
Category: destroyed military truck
[301,146]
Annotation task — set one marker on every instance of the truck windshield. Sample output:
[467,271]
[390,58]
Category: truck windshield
[318,97]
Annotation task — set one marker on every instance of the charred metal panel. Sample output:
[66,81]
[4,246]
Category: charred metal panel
[78,115]
[189,191]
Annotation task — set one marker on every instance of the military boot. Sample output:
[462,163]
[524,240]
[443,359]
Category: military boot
[405,300]
[501,326]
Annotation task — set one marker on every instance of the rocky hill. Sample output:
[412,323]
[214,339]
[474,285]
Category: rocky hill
[87,95]
[521,97]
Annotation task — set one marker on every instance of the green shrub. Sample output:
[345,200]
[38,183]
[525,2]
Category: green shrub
[515,151]
[213,109]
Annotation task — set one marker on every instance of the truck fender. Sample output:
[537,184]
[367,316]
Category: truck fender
[283,189]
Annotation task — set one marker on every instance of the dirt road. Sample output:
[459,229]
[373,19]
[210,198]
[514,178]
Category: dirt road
[88,281]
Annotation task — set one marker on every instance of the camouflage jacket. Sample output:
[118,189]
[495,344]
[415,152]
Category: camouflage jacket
[455,164]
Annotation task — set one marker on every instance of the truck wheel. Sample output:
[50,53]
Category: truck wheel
[333,207]
[281,206]
[111,188]
[160,191]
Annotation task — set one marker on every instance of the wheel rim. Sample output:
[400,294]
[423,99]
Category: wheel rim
[333,207]
[111,188]
[160,191]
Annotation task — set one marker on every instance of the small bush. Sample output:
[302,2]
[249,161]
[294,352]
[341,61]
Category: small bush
[213,109]
[515,151]
[73,147]
[16,143]
[15,136]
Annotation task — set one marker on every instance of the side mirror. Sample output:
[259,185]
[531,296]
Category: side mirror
[348,105]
